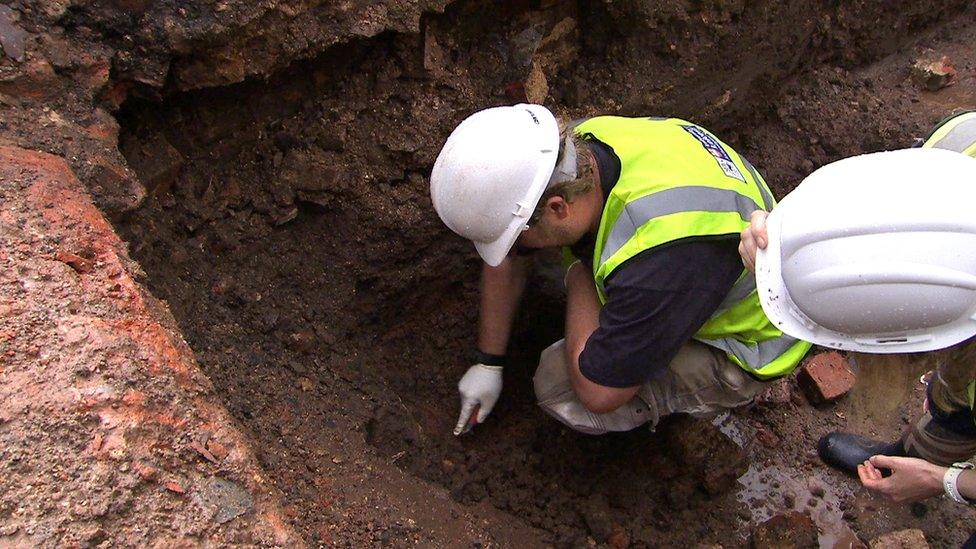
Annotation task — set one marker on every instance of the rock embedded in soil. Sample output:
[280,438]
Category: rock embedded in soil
[789,530]
[597,516]
[156,161]
[815,487]
[826,377]
[902,539]
[713,458]
[933,74]
[125,463]
[13,39]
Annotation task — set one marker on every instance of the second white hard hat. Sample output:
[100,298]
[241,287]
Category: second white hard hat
[876,253]
[491,172]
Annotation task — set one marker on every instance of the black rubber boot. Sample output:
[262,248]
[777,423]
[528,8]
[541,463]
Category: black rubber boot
[845,451]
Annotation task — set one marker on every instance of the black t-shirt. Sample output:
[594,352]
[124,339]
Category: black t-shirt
[656,300]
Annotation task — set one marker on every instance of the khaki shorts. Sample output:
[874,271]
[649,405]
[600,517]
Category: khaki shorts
[700,381]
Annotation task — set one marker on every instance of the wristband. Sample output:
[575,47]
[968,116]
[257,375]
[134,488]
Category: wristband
[950,481]
[489,359]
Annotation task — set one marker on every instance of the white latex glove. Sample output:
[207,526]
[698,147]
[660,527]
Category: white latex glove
[480,387]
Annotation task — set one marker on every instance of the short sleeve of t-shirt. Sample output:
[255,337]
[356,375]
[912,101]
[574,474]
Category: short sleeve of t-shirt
[655,302]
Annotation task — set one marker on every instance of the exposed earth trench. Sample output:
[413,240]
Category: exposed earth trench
[281,211]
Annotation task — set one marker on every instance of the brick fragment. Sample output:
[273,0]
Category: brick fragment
[157,162]
[203,451]
[778,393]
[144,470]
[217,449]
[75,261]
[96,443]
[791,529]
[619,539]
[826,377]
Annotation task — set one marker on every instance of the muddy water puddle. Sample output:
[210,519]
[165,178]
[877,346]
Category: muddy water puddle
[770,490]
[875,407]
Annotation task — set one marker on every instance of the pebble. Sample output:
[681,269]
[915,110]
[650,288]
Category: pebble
[789,500]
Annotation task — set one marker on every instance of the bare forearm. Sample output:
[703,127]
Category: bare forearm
[582,319]
[582,312]
[966,483]
[501,290]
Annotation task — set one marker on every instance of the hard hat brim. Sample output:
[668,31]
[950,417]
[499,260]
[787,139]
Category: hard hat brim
[884,265]
[770,285]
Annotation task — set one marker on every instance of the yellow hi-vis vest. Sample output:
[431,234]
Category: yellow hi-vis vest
[956,133]
[679,181]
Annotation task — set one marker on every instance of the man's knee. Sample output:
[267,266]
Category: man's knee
[551,378]
[701,380]
[555,395]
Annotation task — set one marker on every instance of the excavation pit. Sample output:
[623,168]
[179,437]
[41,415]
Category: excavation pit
[288,229]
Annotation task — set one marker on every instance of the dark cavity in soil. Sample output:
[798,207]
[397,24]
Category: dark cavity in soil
[289,228]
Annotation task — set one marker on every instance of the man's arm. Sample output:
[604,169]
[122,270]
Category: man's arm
[501,290]
[911,479]
[656,301]
[481,385]
[582,319]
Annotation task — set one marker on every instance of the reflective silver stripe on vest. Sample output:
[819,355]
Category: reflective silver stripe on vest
[767,198]
[757,355]
[672,201]
[959,138]
[740,290]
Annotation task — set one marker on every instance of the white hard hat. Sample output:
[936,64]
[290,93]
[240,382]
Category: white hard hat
[491,172]
[876,253]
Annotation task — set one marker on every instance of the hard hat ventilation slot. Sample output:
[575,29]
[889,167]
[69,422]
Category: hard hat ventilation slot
[893,340]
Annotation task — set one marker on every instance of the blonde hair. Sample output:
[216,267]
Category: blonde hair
[569,190]
[956,365]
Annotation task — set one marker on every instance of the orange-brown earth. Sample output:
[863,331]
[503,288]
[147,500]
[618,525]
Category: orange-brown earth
[270,356]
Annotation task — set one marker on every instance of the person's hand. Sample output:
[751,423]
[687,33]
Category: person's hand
[911,479]
[479,388]
[753,238]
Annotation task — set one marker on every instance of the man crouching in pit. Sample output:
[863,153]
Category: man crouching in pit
[661,316]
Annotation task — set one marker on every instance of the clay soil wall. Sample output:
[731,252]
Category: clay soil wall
[267,166]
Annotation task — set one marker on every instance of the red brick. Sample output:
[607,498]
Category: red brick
[826,377]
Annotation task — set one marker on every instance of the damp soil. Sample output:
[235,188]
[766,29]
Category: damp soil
[289,230]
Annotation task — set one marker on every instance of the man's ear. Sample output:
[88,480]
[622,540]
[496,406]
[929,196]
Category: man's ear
[559,207]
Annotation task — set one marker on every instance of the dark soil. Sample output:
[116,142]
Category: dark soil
[289,229]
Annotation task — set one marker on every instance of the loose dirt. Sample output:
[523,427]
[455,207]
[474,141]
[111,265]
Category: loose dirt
[277,201]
